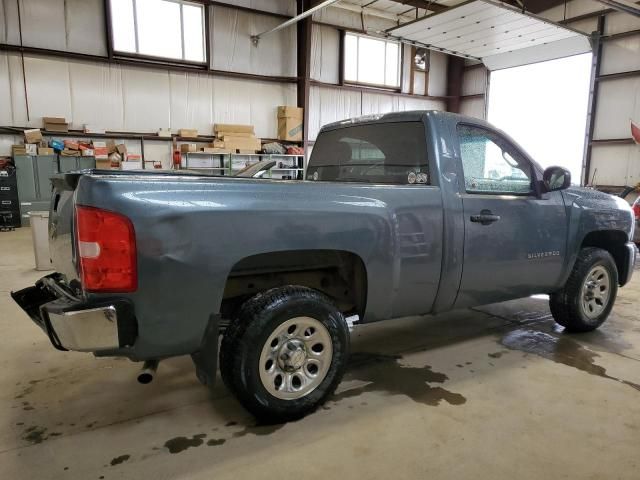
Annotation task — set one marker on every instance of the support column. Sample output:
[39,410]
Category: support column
[304,65]
[455,73]
[593,103]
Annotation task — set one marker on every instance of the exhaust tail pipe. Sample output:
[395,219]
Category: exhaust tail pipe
[148,372]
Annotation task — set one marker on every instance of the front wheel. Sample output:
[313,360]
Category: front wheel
[587,298]
[285,353]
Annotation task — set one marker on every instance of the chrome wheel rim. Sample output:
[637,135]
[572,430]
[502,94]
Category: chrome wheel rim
[596,290]
[295,358]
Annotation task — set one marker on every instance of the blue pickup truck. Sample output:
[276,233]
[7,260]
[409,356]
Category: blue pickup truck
[400,214]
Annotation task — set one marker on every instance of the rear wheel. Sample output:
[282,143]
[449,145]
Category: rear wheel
[285,353]
[587,298]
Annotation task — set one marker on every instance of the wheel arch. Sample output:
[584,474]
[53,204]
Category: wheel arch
[614,242]
[339,274]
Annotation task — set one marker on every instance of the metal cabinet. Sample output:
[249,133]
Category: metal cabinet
[34,184]
[68,164]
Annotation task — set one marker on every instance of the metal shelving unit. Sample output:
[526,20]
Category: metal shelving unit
[225,163]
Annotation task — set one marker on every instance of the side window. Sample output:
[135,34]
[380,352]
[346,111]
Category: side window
[491,164]
[392,153]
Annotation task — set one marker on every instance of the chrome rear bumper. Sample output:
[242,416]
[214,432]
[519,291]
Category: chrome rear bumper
[88,330]
[75,324]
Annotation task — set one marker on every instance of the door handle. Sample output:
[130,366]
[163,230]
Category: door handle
[485,217]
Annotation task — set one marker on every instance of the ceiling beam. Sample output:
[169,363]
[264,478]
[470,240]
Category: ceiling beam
[623,6]
[424,4]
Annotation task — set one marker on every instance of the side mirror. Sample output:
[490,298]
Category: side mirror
[556,178]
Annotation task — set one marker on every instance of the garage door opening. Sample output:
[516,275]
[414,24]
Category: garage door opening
[543,106]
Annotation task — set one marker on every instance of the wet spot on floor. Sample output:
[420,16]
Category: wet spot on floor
[230,424]
[119,460]
[35,434]
[180,444]
[214,442]
[385,374]
[259,430]
[560,349]
[497,354]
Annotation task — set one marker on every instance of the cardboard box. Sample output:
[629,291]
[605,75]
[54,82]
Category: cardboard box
[31,148]
[290,121]
[33,135]
[70,153]
[45,151]
[88,152]
[217,143]
[101,152]
[18,150]
[71,145]
[233,128]
[55,124]
[188,132]
[133,157]
[239,143]
[164,132]
[111,145]
[188,147]
[103,164]
[121,148]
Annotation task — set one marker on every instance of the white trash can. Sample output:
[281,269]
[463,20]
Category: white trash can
[40,234]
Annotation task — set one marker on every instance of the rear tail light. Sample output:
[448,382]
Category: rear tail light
[106,251]
[636,209]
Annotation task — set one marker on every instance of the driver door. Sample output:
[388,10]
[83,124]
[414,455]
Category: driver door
[514,239]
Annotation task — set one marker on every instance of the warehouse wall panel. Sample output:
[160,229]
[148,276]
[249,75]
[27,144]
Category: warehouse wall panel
[241,101]
[474,107]
[331,104]
[9,32]
[328,105]
[373,103]
[474,81]
[96,95]
[618,103]
[67,25]
[615,165]
[146,95]
[48,87]
[191,101]
[232,48]
[325,47]
[620,22]
[438,74]
[284,7]
[621,55]
[417,103]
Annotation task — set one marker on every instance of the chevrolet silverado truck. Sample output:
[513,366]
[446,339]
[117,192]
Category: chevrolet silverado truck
[400,214]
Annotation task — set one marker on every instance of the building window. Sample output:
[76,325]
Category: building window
[159,28]
[371,61]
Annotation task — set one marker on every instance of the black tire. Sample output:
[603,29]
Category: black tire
[567,304]
[246,336]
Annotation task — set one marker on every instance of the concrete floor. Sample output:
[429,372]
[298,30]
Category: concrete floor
[494,392]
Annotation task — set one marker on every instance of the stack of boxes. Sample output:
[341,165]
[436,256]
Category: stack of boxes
[235,139]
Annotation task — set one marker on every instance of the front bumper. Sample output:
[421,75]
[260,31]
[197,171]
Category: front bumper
[75,324]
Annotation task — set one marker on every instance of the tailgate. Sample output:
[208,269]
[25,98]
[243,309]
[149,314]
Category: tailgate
[61,244]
